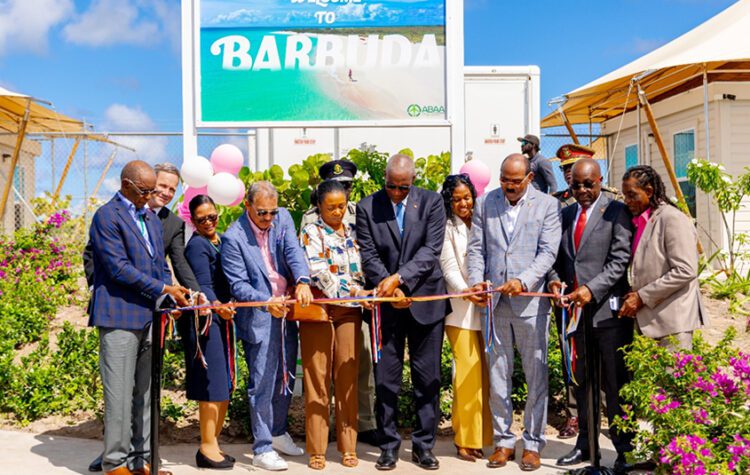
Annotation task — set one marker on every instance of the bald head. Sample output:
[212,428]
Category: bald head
[587,167]
[586,181]
[399,176]
[136,170]
[400,164]
[515,175]
[516,160]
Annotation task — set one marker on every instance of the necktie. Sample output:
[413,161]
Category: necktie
[580,225]
[400,217]
[140,214]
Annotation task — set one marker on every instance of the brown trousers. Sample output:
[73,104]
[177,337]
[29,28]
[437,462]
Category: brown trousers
[331,350]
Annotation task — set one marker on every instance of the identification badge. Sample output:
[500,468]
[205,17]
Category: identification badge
[614,303]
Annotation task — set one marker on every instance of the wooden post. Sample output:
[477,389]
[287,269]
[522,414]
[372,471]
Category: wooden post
[664,155]
[14,161]
[104,172]
[572,132]
[66,170]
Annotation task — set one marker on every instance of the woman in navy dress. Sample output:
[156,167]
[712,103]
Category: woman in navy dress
[209,352]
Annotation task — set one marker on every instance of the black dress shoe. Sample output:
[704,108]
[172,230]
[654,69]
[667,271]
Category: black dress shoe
[96,464]
[387,459]
[229,457]
[369,437]
[425,459]
[573,457]
[204,462]
[622,466]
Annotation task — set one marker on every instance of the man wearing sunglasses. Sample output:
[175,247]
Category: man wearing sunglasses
[263,261]
[544,178]
[400,230]
[514,239]
[173,228]
[130,274]
[568,155]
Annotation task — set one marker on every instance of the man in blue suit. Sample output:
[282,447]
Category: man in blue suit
[400,230]
[514,239]
[262,260]
[130,274]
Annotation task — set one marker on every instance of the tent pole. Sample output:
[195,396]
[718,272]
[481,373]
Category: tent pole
[664,155]
[571,132]
[638,132]
[104,172]
[14,161]
[705,113]
[66,170]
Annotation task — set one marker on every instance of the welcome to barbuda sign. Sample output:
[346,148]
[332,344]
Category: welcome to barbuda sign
[320,60]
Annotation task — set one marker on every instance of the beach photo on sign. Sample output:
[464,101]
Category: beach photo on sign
[330,60]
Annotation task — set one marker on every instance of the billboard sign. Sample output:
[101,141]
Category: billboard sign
[332,62]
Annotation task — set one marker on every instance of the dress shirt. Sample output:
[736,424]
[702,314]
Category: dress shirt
[511,214]
[640,223]
[278,282]
[140,224]
[588,214]
[404,203]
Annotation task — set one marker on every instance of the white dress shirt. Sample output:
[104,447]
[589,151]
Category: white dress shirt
[510,217]
[588,213]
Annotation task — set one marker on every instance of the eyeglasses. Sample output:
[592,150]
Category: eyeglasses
[211,217]
[143,193]
[507,181]
[587,185]
[391,186]
[264,212]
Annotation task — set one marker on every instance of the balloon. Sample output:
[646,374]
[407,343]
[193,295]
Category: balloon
[224,188]
[196,171]
[183,211]
[241,196]
[479,173]
[191,192]
[227,158]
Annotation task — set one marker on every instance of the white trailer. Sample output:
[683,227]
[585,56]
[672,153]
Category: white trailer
[501,103]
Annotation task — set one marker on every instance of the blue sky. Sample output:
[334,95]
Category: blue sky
[116,63]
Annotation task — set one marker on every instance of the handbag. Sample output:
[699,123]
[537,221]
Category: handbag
[312,313]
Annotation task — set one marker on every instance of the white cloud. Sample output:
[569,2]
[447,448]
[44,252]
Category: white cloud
[122,118]
[243,15]
[109,22]
[109,186]
[169,14]
[25,24]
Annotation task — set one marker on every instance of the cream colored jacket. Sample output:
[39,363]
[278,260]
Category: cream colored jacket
[665,275]
[454,266]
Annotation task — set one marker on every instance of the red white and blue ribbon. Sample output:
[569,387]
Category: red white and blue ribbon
[489,320]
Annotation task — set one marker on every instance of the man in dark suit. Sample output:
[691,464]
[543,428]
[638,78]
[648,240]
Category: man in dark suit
[592,262]
[130,273]
[167,179]
[400,231]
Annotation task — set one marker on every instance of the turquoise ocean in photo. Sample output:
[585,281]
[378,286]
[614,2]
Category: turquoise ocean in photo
[261,95]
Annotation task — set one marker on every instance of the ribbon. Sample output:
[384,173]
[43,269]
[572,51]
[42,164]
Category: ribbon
[285,373]
[376,336]
[489,321]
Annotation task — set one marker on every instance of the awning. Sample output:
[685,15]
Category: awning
[720,47]
[42,120]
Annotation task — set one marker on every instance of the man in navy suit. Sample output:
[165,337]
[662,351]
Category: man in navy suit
[130,274]
[400,231]
[263,261]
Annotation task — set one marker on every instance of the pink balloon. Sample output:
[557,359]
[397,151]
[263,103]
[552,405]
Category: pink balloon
[227,158]
[479,173]
[240,196]
[183,211]
[191,192]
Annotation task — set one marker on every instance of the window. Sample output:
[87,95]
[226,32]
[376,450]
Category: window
[19,180]
[684,151]
[631,156]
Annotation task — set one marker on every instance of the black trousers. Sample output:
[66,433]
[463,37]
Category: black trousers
[425,343]
[570,398]
[607,343]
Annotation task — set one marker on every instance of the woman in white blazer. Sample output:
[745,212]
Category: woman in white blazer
[471,420]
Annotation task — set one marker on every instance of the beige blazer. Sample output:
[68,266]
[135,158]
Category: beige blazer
[665,275]
[455,270]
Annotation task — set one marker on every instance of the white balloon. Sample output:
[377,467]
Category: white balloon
[224,188]
[196,172]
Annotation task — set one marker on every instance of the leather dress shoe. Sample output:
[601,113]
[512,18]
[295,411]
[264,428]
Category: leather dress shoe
[570,429]
[500,457]
[573,457]
[530,460]
[369,437]
[122,470]
[387,459]
[466,454]
[96,464]
[201,461]
[425,459]
[622,466]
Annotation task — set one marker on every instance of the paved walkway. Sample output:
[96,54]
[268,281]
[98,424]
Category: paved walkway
[26,454]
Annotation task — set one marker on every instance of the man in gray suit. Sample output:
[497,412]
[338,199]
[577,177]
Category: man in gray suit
[592,262]
[515,235]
